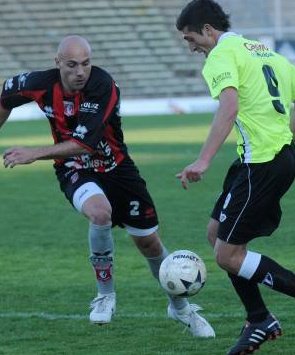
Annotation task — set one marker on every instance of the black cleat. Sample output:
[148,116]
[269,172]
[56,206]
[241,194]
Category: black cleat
[255,334]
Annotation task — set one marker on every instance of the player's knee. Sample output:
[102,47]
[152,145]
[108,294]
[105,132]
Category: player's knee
[149,246]
[99,214]
[227,262]
[221,261]
[100,217]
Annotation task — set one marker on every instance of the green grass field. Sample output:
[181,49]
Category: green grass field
[46,282]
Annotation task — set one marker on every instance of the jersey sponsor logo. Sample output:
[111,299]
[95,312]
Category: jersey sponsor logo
[258,50]
[91,107]
[69,108]
[256,47]
[80,131]
[48,110]
[104,148]
[8,84]
[85,161]
[219,78]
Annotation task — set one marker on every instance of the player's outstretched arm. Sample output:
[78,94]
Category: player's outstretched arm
[24,155]
[221,127]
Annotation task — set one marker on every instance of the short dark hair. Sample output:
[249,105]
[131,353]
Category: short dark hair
[199,12]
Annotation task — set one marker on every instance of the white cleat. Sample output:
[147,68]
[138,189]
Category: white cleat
[103,307]
[189,316]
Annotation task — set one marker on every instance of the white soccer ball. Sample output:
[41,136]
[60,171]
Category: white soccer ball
[182,273]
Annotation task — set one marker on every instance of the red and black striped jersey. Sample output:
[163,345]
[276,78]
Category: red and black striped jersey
[89,117]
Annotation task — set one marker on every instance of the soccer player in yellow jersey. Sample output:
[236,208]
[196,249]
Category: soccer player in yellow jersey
[256,90]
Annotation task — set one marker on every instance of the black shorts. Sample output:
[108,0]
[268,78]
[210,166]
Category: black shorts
[124,188]
[249,205]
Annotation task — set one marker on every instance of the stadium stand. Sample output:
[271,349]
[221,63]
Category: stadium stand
[135,40]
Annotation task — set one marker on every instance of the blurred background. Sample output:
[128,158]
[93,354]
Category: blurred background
[46,282]
[135,40]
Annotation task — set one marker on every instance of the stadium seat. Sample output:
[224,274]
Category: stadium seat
[136,40]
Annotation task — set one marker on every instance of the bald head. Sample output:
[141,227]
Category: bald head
[71,45]
[73,59]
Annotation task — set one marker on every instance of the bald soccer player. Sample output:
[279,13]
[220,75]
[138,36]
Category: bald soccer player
[92,165]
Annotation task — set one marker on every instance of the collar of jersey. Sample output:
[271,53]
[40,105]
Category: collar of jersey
[225,35]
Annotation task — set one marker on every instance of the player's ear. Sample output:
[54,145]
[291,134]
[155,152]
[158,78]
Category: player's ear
[207,29]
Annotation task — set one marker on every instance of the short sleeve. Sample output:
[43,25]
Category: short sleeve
[221,71]
[12,92]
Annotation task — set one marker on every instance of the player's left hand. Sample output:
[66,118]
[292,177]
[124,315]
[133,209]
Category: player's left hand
[192,173]
[17,155]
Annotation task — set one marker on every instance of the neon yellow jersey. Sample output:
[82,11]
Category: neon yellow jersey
[265,82]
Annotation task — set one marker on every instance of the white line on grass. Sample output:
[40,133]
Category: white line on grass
[48,316]
[53,316]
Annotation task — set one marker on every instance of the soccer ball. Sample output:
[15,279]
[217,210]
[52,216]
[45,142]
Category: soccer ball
[182,273]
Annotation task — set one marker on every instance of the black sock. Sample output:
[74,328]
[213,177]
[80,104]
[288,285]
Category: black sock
[273,275]
[251,298]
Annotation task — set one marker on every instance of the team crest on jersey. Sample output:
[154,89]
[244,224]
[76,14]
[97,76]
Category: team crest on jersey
[69,108]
